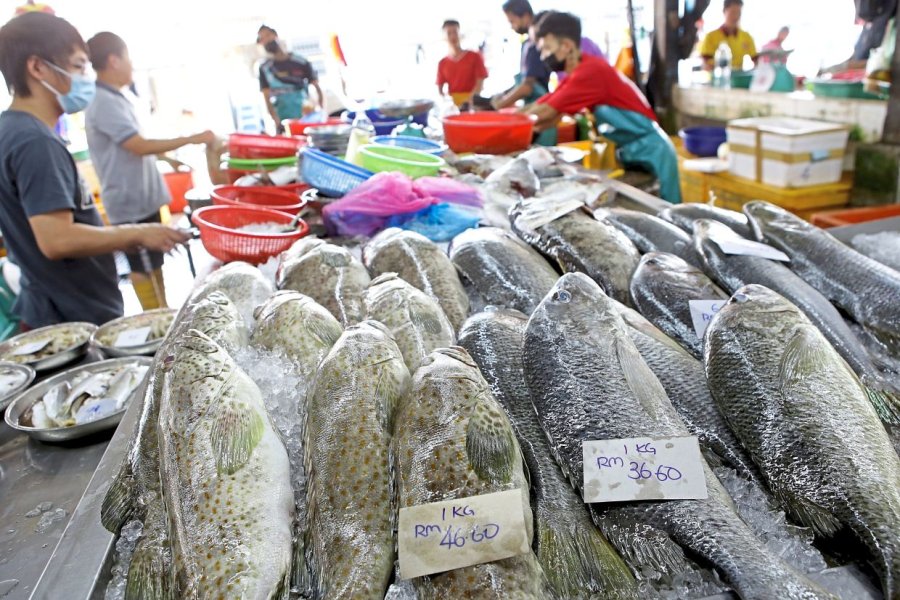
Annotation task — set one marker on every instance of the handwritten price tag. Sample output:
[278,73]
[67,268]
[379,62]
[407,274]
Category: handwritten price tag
[31,348]
[702,312]
[452,534]
[643,469]
[132,337]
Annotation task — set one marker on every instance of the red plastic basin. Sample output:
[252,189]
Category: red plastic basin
[488,132]
[298,127]
[248,145]
[262,197]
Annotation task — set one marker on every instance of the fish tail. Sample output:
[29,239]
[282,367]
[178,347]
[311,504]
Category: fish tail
[580,563]
[148,575]
[119,503]
[886,404]
[301,578]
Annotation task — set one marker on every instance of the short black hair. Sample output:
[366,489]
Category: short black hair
[266,28]
[34,34]
[560,25]
[450,23]
[729,3]
[102,46]
[520,8]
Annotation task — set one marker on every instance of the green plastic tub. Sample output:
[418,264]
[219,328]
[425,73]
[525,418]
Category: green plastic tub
[255,164]
[380,158]
[842,89]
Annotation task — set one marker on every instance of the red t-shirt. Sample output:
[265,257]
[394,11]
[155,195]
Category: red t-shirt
[594,82]
[460,74]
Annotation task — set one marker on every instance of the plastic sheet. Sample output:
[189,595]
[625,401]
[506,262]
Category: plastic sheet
[439,222]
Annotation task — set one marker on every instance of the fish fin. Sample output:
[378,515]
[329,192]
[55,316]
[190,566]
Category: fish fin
[580,562]
[642,546]
[820,520]
[490,443]
[236,430]
[712,458]
[885,402]
[120,501]
[641,381]
[148,574]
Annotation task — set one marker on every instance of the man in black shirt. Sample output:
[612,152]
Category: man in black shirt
[284,79]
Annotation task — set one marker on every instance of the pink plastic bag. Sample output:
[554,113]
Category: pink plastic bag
[366,209]
[445,189]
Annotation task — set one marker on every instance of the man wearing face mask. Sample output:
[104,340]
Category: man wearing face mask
[284,79]
[49,223]
[623,114]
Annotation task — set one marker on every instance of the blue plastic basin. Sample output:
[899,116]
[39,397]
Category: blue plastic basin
[703,141]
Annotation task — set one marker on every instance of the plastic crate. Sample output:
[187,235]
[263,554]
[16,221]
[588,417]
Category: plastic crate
[330,175]
[851,216]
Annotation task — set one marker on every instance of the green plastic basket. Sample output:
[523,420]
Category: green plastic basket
[255,164]
[378,158]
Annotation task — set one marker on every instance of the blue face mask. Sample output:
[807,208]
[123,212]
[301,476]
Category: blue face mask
[80,94]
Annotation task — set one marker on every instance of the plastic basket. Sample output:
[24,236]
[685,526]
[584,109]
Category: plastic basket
[219,233]
[413,143]
[488,132]
[262,196]
[379,158]
[332,176]
[298,127]
[245,145]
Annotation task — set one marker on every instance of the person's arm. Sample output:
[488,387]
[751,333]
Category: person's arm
[708,51]
[58,236]
[479,85]
[270,106]
[141,146]
[545,116]
[319,94]
[523,90]
[753,53]
[481,74]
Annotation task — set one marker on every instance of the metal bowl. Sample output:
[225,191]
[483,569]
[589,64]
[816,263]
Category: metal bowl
[141,320]
[26,371]
[54,361]
[27,399]
[405,108]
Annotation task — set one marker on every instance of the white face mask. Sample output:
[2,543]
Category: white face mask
[82,91]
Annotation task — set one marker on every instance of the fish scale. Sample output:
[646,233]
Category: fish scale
[243,284]
[805,420]
[588,382]
[650,233]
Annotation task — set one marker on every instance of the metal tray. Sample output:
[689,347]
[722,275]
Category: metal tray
[53,361]
[29,377]
[63,434]
[140,320]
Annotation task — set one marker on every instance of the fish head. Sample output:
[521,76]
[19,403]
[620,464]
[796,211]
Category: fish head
[194,356]
[656,262]
[571,303]
[214,314]
[765,217]
[759,308]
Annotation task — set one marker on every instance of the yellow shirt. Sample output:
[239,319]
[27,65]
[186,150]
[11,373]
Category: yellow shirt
[740,42]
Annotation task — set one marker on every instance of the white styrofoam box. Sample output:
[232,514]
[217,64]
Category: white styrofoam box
[787,152]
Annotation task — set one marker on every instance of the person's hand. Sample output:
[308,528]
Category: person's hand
[160,238]
[497,101]
[279,128]
[204,137]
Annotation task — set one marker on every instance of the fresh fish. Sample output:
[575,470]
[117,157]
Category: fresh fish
[422,263]
[242,283]
[93,385]
[503,269]
[479,164]
[351,415]
[735,271]
[52,405]
[684,216]
[124,382]
[415,320]
[216,316]
[578,242]
[225,477]
[864,288]
[662,287]
[805,420]
[453,440]
[328,274]
[683,378]
[588,382]
[650,233]
[515,176]
[577,559]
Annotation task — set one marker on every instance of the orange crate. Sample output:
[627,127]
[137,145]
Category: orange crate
[836,218]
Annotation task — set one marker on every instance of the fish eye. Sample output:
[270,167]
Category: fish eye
[168,362]
[741,298]
[562,296]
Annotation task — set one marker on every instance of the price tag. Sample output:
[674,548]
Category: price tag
[750,248]
[132,337]
[31,348]
[702,312]
[452,534]
[643,469]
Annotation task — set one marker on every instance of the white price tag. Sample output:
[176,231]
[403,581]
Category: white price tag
[132,337]
[643,469]
[702,312]
[31,348]
[751,248]
[441,536]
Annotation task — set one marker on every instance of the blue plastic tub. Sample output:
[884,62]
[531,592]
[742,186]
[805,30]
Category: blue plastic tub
[703,141]
[411,143]
[384,124]
[330,175]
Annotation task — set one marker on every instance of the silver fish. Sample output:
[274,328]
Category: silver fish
[452,440]
[415,320]
[649,233]
[577,559]
[579,243]
[805,420]
[516,176]
[684,215]
[588,382]
[422,263]
[225,477]
[328,274]
[662,287]
[351,416]
[503,269]
[735,271]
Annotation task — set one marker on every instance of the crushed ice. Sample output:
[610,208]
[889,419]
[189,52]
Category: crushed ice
[128,538]
[49,519]
[402,590]
[270,268]
[883,247]
[40,508]
[688,585]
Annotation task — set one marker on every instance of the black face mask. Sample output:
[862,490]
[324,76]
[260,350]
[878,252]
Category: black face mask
[272,47]
[554,64]
[522,30]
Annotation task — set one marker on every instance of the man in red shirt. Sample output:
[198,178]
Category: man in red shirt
[622,113]
[461,71]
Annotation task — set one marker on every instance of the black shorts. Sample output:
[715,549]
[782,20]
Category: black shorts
[136,263]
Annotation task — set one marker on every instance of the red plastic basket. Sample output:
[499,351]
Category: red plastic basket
[488,132]
[247,145]
[263,197]
[298,127]
[219,233]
